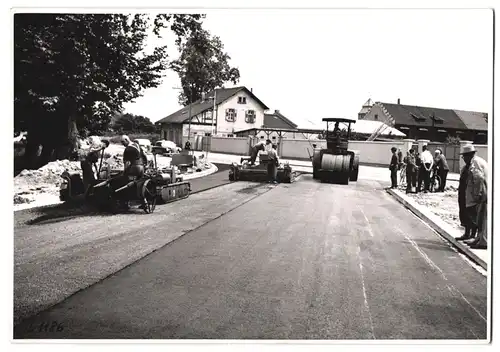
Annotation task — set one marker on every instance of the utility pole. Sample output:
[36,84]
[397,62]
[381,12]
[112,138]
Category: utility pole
[189,114]
[189,110]
[215,111]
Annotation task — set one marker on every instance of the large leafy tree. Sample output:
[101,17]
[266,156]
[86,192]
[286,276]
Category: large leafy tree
[74,71]
[128,123]
[202,66]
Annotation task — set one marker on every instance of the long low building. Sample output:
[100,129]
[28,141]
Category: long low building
[312,130]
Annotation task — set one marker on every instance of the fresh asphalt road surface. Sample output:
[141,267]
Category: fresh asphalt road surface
[302,261]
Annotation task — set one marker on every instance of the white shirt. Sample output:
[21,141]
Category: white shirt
[427,157]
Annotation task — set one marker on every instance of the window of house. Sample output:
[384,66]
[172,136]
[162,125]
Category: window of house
[250,116]
[231,115]
[242,100]
[230,135]
[376,117]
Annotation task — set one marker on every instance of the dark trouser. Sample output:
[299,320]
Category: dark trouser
[253,156]
[471,218]
[443,174]
[425,176]
[88,174]
[394,177]
[134,170]
[272,170]
[411,180]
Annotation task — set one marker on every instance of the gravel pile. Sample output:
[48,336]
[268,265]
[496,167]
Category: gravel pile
[443,204]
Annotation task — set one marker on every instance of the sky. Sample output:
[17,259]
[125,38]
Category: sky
[311,64]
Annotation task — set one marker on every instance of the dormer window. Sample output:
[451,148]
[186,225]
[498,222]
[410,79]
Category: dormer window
[437,119]
[416,117]
[242,100]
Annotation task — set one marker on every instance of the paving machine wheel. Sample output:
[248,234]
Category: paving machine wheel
[148,193]
[355,168]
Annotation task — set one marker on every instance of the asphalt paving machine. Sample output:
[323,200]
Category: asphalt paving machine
[113,191]
[336,163]
[244,171]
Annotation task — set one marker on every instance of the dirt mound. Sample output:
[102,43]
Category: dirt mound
[29,183]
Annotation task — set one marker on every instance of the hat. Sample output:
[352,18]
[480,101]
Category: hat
[468,148]
[95,143]
[393,149]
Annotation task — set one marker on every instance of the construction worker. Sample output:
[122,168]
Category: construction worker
[89,162]
[134,158]
[442,168]
[272,165]
[261,146]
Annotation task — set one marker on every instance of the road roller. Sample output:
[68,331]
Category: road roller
[336,163]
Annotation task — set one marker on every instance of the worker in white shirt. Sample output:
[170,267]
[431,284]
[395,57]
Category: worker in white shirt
[272,165]
[425,168]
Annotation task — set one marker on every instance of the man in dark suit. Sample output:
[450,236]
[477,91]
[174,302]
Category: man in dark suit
[393,166]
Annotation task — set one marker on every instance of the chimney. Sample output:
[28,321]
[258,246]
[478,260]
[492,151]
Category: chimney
[276,111]
[399,101]
[251,90]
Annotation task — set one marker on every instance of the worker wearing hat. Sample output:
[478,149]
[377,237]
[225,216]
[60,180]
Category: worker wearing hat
[88,162]
[472,198]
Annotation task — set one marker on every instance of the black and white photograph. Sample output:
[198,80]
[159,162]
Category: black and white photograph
[251,173]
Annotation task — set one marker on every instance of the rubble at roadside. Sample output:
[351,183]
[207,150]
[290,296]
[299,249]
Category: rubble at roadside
[443,204]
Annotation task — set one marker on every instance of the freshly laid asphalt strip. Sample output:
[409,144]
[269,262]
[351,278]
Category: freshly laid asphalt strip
[57,256]
[300,261]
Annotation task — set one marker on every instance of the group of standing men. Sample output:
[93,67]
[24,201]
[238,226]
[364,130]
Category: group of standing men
[472,189]
[419,168]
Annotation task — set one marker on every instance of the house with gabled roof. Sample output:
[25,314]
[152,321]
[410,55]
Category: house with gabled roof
[435,124]
[236,109]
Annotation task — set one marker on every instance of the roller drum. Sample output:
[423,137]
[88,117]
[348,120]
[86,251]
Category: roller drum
[338,165]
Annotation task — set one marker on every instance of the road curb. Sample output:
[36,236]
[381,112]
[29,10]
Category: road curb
[439,226]
[212,170]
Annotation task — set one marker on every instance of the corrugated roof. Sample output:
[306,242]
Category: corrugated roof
[473,120]
[361,126]
[198,106]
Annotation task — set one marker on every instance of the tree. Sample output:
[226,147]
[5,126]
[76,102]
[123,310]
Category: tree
[72,72]
[128,123]
[202,66]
